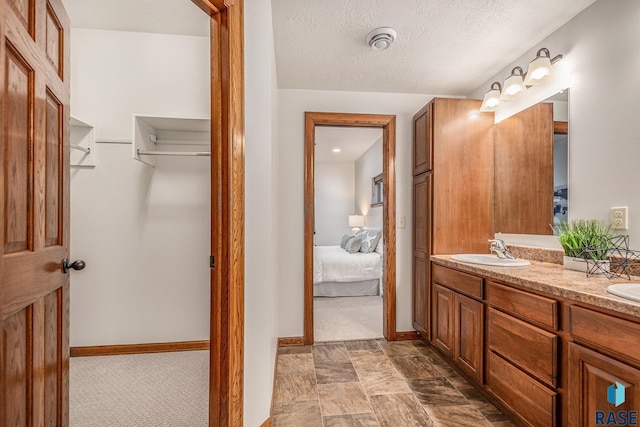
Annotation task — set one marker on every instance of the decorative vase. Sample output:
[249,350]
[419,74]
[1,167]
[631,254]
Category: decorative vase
[590,267]
[577,264]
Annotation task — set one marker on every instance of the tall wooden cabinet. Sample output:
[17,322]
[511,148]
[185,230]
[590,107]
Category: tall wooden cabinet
[452,190]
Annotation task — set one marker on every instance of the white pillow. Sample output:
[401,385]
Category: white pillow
[370,241]
[353,245]
[380,246]
[345,240]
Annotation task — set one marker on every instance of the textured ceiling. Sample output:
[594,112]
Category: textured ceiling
[146,16]
[443,46]
[352,142]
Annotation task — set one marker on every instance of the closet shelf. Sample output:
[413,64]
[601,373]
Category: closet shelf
[83,143]
[173,153]
[177,137]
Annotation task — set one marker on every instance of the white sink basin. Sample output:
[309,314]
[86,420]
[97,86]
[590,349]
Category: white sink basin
[490,259]
[626,290]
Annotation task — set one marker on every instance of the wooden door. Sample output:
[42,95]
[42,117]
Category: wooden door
[422,140]
[34,52]
[468,348]
[591,375]
[421,252]
[442,322]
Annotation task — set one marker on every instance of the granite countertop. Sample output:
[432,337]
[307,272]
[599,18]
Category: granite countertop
[553,279]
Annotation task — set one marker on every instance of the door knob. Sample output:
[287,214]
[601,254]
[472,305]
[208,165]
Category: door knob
[76,265]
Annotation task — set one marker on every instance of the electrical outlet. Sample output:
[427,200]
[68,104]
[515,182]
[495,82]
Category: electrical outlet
[401,222]
[620,218]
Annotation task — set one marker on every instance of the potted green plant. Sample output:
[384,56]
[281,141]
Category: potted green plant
[583,240]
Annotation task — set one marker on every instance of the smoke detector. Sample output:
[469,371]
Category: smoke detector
[381,38]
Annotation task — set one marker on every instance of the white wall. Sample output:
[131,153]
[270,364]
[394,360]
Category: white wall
[143,232]
[292,105]
[368,166]
[261,227]
[334,201]
[603,59]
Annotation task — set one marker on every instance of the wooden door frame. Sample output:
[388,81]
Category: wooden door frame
[388,125]
[226,376]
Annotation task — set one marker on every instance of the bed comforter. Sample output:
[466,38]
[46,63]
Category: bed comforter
[334,264]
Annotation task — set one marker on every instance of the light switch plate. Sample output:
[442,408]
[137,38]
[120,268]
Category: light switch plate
[402,222]
[620,218]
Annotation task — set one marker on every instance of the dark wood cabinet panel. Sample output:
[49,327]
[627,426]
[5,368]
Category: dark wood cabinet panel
[458,321]
[468,346]
[591,375]
[422,213]
[615,335]
[442,322]
[532,402]
[530,348]
[421,252]
[533,308]
[422,140]
[459,281]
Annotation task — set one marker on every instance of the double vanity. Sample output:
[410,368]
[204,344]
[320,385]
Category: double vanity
[548,346]
[544,343]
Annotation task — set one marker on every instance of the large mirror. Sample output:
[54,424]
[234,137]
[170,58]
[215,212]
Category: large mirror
[531,165]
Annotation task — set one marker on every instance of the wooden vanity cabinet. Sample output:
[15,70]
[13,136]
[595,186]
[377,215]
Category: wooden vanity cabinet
[542,369]
[458,319]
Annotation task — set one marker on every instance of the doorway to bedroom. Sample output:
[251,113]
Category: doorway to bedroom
[349,227]
[347,268]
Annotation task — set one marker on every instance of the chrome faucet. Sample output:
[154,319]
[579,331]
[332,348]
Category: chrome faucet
[498,246]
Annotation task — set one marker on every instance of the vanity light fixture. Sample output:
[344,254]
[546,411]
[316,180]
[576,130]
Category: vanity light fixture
[540,69]
[513,86]
[336,150]
[539,72]
[491,98]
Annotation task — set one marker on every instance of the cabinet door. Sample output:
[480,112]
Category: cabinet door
[422,140]
[421,252]
[594,379]
[468,336]
[442,322]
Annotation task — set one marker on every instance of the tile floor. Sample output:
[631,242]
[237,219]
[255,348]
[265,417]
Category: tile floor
[375,383]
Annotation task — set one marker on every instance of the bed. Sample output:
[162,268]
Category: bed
[337,272]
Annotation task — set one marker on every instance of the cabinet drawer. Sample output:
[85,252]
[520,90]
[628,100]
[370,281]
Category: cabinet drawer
[461,282]
[532,401]
[530,306]
[532,349]
[615,335]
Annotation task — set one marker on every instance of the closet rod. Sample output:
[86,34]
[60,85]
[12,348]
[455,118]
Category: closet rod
[77,147]
[173,153]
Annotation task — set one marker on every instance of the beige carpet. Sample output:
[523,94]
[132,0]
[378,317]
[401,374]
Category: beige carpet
[347,318]
[155,390]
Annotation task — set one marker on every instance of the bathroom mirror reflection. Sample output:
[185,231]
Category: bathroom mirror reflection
[531,168]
